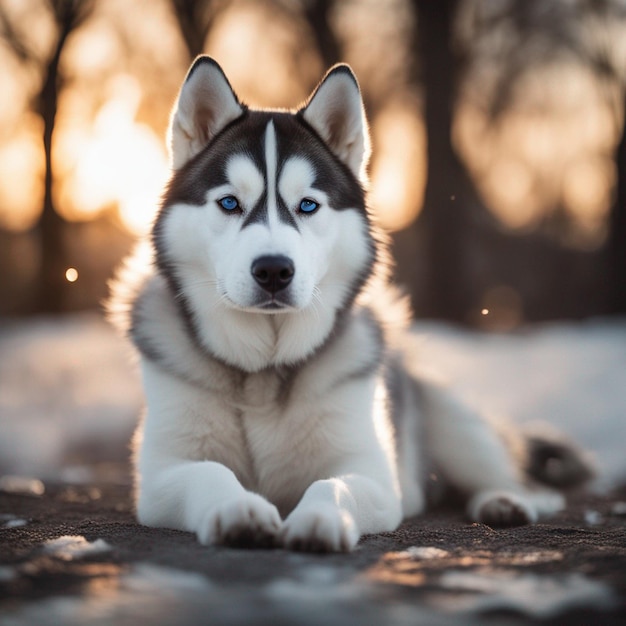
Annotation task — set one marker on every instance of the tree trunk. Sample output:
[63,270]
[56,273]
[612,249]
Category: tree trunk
[444,221]
[317,14]
[617,232]
[195,19]
[52,283]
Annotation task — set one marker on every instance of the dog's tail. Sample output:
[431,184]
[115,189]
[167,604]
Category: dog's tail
[553,460]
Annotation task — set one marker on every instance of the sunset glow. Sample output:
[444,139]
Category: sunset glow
[255,44]
[549,153]
[21,159]
[116,163]
[399,170]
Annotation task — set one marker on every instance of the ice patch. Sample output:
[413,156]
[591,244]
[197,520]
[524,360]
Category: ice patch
[312,583]
[534,595]
[71,547]
[146,578]
[145,594]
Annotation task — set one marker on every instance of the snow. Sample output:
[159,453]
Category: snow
[8,520]
[22,485]
[571,376]
[72,547]
[65,382]
[69,383]
[421,553]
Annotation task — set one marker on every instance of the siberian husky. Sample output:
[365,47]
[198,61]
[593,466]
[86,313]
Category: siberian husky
[281,410]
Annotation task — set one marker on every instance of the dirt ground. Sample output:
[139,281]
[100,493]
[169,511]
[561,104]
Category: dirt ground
[436,569]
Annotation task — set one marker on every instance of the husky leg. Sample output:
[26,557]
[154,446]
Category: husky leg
[333,513]
[361,494]
[206,498]
[177,490]
[475,459]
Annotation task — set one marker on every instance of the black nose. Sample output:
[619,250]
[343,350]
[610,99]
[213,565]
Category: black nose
[273,273]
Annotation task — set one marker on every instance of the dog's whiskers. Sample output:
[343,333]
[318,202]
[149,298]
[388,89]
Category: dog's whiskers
[317,303]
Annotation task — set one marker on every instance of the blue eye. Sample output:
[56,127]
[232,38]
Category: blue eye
[308,206]
[229,203]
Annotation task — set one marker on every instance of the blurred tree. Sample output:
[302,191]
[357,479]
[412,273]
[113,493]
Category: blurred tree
[318,15]
[460,251]
[195,19]
[445,219]
[606,60]
[588,32]
[67,16]
[617,232]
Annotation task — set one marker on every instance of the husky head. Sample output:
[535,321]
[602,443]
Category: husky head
[263,233]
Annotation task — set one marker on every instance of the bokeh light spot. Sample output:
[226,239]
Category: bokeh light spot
[71,274]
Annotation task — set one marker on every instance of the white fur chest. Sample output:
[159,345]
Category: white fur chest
[277,429]
[262,427]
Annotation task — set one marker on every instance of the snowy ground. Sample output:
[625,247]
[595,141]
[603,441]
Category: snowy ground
[71,552]
[67,385]
[569,376]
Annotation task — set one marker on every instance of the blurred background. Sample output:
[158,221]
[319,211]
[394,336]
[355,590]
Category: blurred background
[499,169]
[499,162]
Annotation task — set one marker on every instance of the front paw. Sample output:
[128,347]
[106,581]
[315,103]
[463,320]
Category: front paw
[248,521]
[320,529]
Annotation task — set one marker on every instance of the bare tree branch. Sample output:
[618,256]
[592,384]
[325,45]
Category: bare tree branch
[543,31]
[13,39]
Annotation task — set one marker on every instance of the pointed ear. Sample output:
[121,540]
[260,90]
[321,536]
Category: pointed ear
[206,104]
[335,111]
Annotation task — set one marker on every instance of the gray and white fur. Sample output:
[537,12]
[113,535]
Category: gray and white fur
[280,406]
